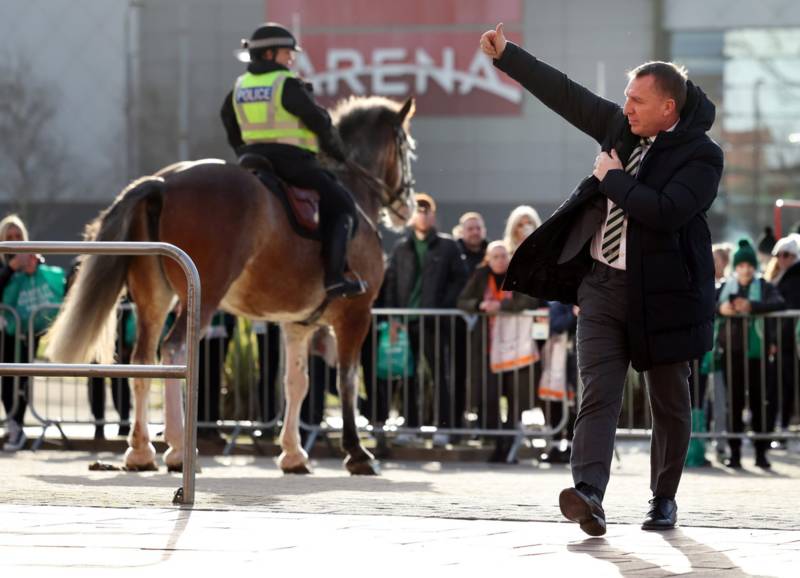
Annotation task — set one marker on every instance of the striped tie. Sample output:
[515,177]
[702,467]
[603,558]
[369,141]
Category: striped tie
[612,237]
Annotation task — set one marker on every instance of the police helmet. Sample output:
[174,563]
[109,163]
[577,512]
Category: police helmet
[269,35]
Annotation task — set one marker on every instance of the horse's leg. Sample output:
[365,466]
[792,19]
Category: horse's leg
[351,329]
[152,296]
[293,458]
[173,352]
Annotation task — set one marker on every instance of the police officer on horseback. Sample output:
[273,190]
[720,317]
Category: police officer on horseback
[272,112]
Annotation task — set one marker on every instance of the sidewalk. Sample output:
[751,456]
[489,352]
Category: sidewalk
[86,542]
[415,516]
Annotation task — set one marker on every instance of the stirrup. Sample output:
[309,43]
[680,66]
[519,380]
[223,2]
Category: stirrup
[346,288]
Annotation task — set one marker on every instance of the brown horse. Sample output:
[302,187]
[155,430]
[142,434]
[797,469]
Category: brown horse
[251,263]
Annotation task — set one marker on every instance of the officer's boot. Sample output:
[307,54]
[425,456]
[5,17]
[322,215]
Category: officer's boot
[334,257]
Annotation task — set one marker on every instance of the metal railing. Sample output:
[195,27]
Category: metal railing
[188,371]
[738,391]
[410,407]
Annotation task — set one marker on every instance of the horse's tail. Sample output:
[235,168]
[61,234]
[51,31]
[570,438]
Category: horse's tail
[85,329]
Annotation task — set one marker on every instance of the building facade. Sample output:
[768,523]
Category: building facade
[139,85]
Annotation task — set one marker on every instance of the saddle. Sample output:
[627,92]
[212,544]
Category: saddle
[302,205]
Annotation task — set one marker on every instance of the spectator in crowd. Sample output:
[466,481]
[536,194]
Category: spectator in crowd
[784,272]
[120,388]
[765,245]
[427,270]
[722,260]
[473,243]
[11,229]
[742,296]
[784,255]
[522,221]
[472,239]
[483,294]
[31,285]
[212,351]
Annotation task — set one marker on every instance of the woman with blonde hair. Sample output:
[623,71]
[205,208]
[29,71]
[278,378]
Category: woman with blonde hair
[522,221]
[12,229]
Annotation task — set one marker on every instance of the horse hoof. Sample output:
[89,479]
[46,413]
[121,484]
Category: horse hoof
[142,459]
[301,469]
[151,467]
[294,463]
[363,468]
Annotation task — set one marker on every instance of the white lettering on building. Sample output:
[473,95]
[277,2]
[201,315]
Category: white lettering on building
[388,70]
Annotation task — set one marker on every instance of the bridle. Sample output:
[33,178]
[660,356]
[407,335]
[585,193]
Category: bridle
[390,197]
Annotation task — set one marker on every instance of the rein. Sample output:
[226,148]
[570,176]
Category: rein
[389,197]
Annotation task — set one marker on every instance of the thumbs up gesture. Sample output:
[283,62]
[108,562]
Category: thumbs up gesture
[493,42]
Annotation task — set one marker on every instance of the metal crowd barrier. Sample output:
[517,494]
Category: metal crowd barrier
[452,390]
[736,387]
[449,391]
[67,401]
[188,372]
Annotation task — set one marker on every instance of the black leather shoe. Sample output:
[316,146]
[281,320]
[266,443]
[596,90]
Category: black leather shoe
[663,514]
[762,462]
[733,464]
[584,508]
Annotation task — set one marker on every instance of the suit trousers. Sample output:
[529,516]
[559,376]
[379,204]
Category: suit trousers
[603,361]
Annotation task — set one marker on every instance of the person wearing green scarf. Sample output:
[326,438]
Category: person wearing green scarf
[746,342]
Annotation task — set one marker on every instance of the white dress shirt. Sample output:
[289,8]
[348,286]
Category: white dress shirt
[597,240]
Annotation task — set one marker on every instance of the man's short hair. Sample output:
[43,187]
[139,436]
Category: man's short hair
[471,215]
[670,78]
[425,199]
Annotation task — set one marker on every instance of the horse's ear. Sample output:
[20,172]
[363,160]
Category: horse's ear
[405,113]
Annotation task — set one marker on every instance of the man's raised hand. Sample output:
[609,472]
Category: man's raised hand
[493,42]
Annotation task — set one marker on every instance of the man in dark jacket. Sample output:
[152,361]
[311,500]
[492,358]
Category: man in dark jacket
[271,112]
[427,271]
[472,239]
[787,252]
[632,248]
[472,242]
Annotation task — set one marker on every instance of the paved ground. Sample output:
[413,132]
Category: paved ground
[417,515]
[71,541]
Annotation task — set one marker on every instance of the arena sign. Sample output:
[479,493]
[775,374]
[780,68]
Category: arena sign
[428,50]
[447,80]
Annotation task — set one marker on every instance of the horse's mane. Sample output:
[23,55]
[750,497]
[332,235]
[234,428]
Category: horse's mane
[351,115]
[358,109]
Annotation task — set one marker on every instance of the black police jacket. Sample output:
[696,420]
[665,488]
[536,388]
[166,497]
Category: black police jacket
[670,269]
[298,100]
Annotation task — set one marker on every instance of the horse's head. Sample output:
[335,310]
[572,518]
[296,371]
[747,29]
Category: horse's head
[375,131]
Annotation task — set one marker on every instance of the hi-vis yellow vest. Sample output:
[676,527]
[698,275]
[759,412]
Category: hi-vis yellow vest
[260,113]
